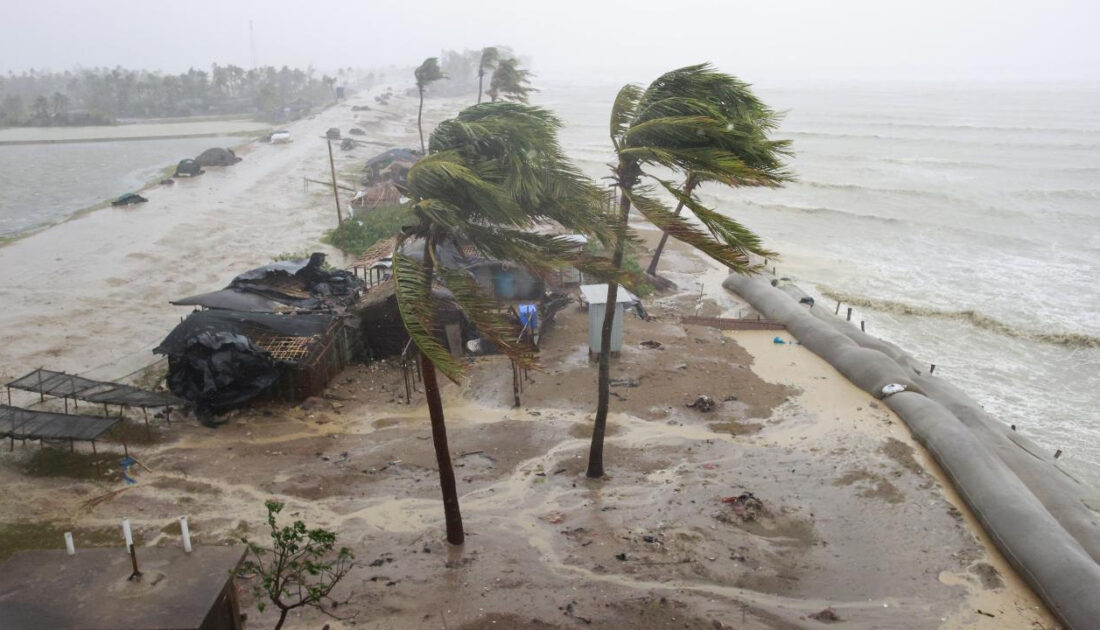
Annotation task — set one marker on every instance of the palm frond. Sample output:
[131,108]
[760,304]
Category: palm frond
[623,111]
[681,229]
[413,288]
[723,228]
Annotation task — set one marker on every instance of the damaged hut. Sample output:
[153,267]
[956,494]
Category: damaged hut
[279,331]
[383,177]
[217,156]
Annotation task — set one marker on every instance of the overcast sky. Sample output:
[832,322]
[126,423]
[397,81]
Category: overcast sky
[599,39]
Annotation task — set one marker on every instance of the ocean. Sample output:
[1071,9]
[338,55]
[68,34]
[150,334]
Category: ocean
[961,222]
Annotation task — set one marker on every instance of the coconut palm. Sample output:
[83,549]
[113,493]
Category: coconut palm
[427,73]
[510,82]
[742,110]
[679,123]
[490,55]
[493,175]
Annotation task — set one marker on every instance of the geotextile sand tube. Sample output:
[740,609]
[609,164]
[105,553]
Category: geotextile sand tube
[1034,512]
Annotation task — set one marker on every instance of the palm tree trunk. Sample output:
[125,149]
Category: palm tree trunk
[480,78]
[595,453]
[689,185]
[419,114]
[451,512]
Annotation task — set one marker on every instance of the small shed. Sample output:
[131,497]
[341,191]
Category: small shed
[176,591]
[596,296]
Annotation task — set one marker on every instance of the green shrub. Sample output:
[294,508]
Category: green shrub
[357,234]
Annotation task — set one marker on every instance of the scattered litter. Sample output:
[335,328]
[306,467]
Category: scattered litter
[746,506]
[982,612]
[703,403]
[892,388]
[650,344]
[710,466]
[779,341]
[827,615]
[126,463]
[649,539]
[620,557]
[553,518]
[625,382]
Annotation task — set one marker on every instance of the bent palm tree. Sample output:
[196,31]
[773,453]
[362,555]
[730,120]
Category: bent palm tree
[427,73]
[489,57]
[493,175]
[677,123]
[510,82]
[743,111]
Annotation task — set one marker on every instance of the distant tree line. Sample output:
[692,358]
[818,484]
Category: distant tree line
[103,95]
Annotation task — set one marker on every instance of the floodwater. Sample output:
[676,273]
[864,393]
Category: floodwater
[960,222]
[42,184]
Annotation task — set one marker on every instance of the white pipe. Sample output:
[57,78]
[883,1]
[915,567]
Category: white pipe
[69,547]
[186,534]
[127,534]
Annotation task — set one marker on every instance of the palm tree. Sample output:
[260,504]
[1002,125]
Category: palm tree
[510,82]
[428,72]
[754,120]
[489,57]
[492,176]
[678,123]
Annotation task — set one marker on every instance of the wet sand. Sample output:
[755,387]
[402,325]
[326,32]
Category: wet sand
[852,515]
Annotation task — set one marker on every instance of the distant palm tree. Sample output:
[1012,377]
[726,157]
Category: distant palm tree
[753,121]
[493,175]
[677,123]
[510,82]
[427,73]
[489,58]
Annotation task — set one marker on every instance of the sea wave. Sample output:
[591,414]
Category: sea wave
[830,135]
[973,317]
[1082,194]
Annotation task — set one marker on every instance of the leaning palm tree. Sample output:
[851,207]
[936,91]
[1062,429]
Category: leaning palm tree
[493,176]
[510,82]
[753,120]
[490,55]
[678,123]
[427,73]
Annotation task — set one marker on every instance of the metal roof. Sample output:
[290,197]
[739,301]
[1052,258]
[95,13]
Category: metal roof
[597,294]
[27,424]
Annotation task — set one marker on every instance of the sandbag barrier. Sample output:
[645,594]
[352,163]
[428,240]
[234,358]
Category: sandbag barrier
[1032,510]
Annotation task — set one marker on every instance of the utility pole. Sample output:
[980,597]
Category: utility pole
[335,192]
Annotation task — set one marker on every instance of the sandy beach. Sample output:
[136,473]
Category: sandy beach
[852,517]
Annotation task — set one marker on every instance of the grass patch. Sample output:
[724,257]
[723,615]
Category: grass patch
[55,462]
[47,535]
[357,234]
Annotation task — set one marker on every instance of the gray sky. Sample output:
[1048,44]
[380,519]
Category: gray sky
[600,39]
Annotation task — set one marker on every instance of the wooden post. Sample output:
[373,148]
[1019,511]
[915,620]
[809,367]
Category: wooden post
[335,192]
[849,313]
[837,312]
[862,326]
[932,368]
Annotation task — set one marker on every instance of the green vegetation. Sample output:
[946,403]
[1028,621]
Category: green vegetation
[426,74]
[359,233]
[297,570]
[510,82]
[98,96]
[494,173]
[691,121]
[489,58]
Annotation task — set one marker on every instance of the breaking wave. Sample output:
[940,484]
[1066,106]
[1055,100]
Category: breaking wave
[970,316]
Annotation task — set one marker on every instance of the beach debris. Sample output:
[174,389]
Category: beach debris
[569,610]
[167,181]
[625,382]
[333,133]
[129,199]
[654,345]
[826,615]
[188,168]
[94,501]
[807,300]
[779,341]
[892,388]
[703,403]
[621,557]
[745,505]
[347,144]
[356,131]
[217,156]
[554,518]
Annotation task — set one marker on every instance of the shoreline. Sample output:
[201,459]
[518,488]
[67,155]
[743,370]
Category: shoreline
[838,527]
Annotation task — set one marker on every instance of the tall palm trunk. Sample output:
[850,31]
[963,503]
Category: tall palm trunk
[689,185]
[451,512]
[480,78]
[419,115]
[595,453]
